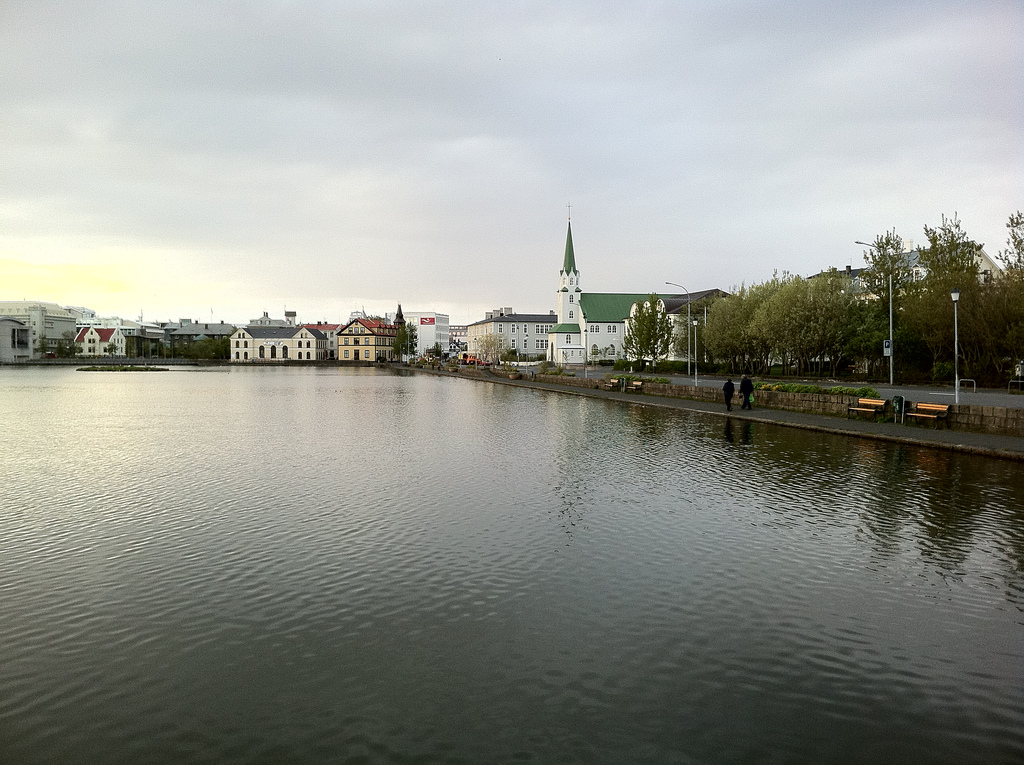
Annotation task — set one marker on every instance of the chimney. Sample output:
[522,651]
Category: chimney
[849,270]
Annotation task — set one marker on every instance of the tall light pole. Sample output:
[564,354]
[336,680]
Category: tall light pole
[695,348]
[892,349]
[955,294]
[680,286]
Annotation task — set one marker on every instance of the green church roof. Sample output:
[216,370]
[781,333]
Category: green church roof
[610,306]
[565,328]
[569,264]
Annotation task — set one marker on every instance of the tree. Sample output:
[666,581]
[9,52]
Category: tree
[884,260]
[648,332]
[67,348]
[404,343]
[489,347]
[1013,257]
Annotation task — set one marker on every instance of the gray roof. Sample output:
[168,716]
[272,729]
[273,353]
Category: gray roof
[546,318]
[210,330]
[272,333]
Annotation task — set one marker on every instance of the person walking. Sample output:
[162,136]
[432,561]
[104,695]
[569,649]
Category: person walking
[746,391]
[727,390]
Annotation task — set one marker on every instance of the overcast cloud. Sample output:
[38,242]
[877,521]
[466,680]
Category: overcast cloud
[178,157]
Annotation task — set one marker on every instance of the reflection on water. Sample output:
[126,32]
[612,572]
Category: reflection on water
[318,565]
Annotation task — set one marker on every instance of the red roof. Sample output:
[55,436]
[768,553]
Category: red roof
[105,333]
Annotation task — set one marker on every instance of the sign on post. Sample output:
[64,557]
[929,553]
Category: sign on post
[887,347]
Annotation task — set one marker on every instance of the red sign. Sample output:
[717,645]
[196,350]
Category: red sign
[425,320]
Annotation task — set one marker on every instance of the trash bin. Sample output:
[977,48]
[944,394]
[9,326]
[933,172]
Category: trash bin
[898,404]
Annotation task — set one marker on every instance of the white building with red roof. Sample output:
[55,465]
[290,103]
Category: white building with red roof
[100,341]
[330,331]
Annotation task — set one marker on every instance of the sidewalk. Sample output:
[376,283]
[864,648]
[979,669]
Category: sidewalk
[1008,447]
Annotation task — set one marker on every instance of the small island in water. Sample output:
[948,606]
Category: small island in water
[121,368]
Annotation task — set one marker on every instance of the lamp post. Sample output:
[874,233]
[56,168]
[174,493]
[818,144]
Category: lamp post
[955,294]
[892,349]
[695,348]
[680,286]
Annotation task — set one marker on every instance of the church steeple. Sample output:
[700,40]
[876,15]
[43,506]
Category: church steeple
[569,262]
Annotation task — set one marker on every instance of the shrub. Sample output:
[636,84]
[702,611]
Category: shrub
[838,390]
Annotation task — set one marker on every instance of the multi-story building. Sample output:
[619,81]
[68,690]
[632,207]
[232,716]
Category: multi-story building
[592,325]
[277,343]
[367,340]
[431,330]
[331,333]
[47,323]
[14,341]
[526,333]
[192,332]
[100,341]
[457,337]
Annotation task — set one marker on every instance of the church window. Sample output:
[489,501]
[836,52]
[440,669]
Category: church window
[571,297]
[568,338]
[593,349]
[611,349]
[570,314]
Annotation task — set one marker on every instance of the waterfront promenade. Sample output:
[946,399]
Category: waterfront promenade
[1009,447]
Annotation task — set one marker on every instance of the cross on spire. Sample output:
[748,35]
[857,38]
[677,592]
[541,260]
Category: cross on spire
[570,210]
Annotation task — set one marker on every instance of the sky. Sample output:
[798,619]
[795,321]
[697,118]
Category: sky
[215,160]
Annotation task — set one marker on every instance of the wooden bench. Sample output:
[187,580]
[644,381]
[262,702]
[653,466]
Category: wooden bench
[873,406]
[635,386]
[612,384]
[930,412]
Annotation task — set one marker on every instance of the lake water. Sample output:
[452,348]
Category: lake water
[316,565]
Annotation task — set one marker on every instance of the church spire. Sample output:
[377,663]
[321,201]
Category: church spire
[569,264]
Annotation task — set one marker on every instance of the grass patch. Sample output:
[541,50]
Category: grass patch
[121,368]
[839,390]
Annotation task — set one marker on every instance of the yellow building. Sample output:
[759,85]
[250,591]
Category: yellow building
[367,340]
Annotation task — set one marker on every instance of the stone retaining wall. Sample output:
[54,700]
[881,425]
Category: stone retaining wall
[977,419]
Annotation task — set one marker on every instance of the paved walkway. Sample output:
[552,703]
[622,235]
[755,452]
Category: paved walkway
[1010,447]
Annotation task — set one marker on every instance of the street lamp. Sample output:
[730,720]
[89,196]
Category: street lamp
[955,294]
[695,348]
[892,349]
[680,286]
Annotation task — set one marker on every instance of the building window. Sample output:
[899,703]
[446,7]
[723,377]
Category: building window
[514,326]
[245,356]
[262,352]
[568,338]
[366,354]
[346,354]
[611,349]
[237,345]
[307,355]
[236,355]
[501,328]
[570,314]
[245,344]
[513,343]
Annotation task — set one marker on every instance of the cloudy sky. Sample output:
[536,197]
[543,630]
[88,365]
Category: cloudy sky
[223,159]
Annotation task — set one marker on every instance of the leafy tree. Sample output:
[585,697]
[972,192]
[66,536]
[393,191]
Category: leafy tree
[208,348]
[649,331]
[489,347]
[405,340]
[67,348]
[950,262]
[884,260]
[1013,257]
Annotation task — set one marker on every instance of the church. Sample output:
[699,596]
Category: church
[591,325]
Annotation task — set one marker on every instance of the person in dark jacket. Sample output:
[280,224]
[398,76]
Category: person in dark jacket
[746,391]
[727,390]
